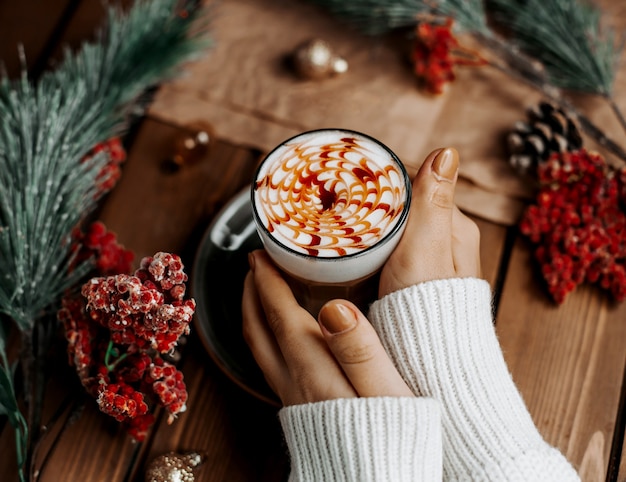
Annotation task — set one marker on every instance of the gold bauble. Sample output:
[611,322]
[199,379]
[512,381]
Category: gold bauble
[193,144]
[173,467]
[315,59]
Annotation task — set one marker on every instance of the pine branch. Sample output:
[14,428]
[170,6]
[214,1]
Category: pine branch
[566,47]
[9,406]
[47,186]
[43,190]
[46,129]
[376,17]
[515,64]
[567,37]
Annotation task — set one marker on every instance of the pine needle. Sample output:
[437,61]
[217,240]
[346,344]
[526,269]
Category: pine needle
[375,17]
[567,36]
[47,186]
[46,129]
[551,44]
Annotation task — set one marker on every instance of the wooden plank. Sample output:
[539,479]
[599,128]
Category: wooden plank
[85,21]
[617,471]
[46,28]
[153,209]
[30,23]
[567,360]
[65,423]
[621,467]
[239,436]
[492,249]
[92,446]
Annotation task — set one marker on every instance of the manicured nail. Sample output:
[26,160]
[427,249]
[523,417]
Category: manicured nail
[251,261]
[446,164]
[337,318]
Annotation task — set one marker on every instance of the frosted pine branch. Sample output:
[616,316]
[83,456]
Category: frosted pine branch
[568,38]
[556,44]
[45,130]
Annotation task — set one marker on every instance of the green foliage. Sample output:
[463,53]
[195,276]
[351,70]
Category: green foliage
[44,190]
[46,129]
[46,186]
[8,403]
[375,17]
[550,44]
[567,37]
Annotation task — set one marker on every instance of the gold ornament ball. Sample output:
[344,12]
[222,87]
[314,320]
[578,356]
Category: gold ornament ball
[193,145]
[173,467]
[315,59]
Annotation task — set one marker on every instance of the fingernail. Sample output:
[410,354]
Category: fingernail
[251,261]
[337,318]
[445,164]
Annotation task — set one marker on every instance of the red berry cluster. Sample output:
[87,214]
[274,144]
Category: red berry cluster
[579,224]
[82,339]
[146,310]
[121,401]
[111,172]
[109,256]
[117,331]
[435,53]
[168,385]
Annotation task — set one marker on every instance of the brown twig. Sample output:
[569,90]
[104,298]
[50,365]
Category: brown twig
[34,344]
[28,364]
[616,110]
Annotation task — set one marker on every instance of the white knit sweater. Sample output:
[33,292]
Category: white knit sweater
[468,422]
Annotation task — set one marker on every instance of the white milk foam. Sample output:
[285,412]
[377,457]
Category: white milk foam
[330,195]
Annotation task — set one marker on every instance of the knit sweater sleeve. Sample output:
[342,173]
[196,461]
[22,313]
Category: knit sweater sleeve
[364,439]
[441,338]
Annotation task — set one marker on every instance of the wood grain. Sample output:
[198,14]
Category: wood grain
[153,209]
[31,24]
[567,361]
[621,477]
[492,250]
[239,436]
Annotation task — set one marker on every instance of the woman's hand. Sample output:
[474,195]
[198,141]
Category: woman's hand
[439,241]
[304,361]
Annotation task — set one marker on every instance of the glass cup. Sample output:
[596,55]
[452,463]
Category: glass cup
[330,206]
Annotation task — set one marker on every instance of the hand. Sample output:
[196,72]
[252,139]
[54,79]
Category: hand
[439,241]
[304,361]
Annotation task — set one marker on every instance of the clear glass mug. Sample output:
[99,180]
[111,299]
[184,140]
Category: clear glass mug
[330,206]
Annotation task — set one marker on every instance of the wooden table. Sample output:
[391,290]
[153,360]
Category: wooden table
[568,361]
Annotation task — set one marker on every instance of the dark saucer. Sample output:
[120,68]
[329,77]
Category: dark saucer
[218,274]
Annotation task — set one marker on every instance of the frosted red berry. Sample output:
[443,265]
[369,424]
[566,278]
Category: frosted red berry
[111,172]
[436,52]
[578,223]
[101,245]
[117,329]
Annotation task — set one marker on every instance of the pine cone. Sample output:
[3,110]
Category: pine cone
[548,130]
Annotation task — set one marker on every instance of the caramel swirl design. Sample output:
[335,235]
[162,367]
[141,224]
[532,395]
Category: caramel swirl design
[330,197]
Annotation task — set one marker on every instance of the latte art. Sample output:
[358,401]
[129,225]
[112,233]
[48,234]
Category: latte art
[331,195]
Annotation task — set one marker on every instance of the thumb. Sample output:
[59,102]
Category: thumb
[432,205]
[425,250]
[359,352]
